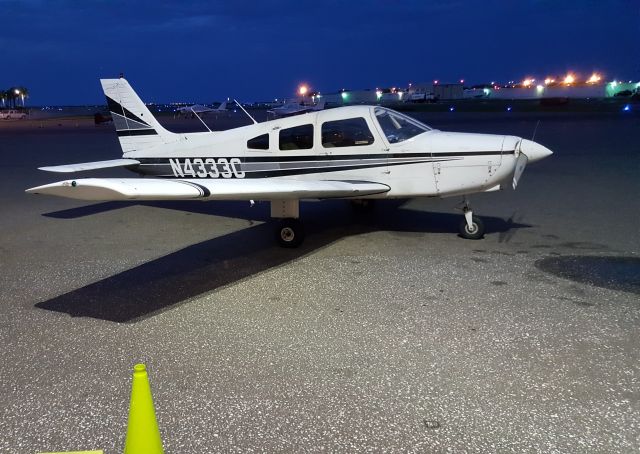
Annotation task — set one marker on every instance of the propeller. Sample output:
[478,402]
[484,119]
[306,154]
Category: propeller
[530,151]
[521,163]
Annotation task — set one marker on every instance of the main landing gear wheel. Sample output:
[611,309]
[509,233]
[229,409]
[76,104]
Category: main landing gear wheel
[473,232]
[289,233]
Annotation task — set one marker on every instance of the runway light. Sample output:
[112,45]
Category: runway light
[626,108]
[509,109]
[569,79]
[451,109]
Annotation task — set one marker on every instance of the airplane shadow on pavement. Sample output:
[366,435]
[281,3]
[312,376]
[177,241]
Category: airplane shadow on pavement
[175,279]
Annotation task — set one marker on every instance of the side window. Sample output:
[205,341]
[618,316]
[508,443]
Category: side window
[297,138]
[352,132]
[259,143]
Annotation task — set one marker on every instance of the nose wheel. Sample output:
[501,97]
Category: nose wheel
[471,227]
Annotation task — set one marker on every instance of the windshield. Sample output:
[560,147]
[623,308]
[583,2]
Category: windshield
[398,127]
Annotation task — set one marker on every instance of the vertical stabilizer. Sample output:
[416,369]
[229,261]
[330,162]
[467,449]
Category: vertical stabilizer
[136,127]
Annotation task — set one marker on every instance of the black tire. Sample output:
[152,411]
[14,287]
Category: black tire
[476,232]
[289,233]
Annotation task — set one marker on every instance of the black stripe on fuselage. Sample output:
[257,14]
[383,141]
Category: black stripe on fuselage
[334,157]
[249,174]
[136,132]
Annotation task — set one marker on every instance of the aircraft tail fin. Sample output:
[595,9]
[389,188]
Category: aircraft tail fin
[136,126]
[222,106]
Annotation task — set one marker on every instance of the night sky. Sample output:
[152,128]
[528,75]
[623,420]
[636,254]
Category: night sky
[206,50]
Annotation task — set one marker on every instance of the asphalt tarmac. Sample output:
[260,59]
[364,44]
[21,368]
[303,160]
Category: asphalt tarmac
[383,333]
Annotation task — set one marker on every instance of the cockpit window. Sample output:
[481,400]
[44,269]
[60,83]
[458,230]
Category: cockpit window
[398,127]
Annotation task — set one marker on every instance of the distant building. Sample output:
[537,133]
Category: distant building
[583,91]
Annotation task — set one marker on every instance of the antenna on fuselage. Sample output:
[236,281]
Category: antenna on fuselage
[534,131]
[240,105]
[201,121]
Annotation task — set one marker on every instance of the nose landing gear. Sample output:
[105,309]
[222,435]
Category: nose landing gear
[471,227]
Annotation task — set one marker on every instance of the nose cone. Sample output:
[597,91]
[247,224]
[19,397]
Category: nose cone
[533,150]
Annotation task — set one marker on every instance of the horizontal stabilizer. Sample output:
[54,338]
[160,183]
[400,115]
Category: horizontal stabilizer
[67,168]
[186,189]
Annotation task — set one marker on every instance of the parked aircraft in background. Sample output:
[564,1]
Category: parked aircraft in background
[198,109]
[295,109]
[354,152]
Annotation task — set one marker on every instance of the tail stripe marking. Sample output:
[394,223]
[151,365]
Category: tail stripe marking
[118,109]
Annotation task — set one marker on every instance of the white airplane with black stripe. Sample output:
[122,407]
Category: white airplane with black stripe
[360,153]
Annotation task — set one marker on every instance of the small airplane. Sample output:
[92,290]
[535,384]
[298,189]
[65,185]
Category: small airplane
[295,109]
[354,152]
[198,109]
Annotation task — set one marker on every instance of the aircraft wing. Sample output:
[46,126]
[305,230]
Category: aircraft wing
[188,189]
[67,168]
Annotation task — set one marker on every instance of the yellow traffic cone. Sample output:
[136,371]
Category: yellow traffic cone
[143,435]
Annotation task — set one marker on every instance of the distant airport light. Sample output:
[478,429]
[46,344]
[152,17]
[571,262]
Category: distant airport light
[549,80]
[461,81]
[539,88]
[400,95]
[614,84]
[509,109]
[344,95]
[435,82]
[569,79]
[595,78]
[378,95]
[627,108]
[303,90]
[16,91]
[451,109]
[528,82]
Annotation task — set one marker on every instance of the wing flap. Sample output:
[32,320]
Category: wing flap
[187,189]
[67,168]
